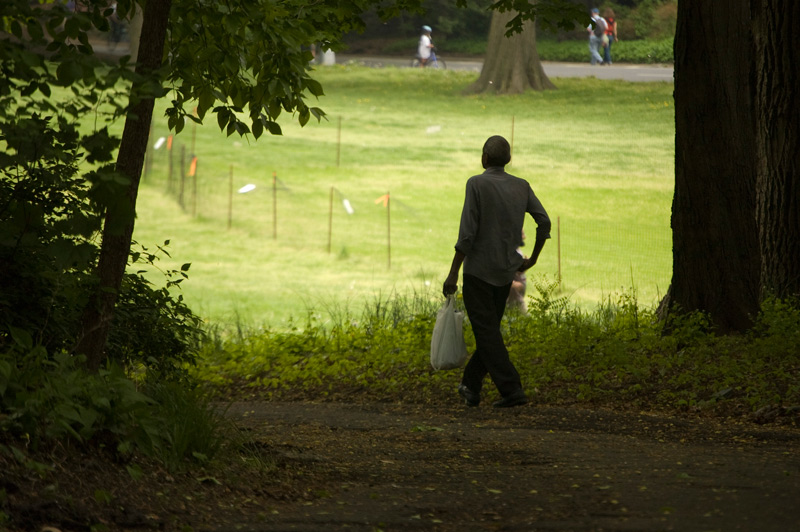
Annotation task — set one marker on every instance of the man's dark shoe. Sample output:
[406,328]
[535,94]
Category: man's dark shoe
[515,399]
[470,398]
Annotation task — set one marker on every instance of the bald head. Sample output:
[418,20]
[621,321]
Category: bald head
[496,152]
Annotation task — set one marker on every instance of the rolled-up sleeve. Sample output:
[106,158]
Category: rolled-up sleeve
[470,220]
[536,210]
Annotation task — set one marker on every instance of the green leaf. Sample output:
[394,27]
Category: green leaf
[318,113]
[31,60]
[22,337]
[241,128]
[134,471]
[29,89]
[314,87]
[102,496]
[222,117]
[16,29]
[68,73]
[305,114]
[205,102]
[72,27]
[200,457]
[274,128]
[274,109]
[258,128]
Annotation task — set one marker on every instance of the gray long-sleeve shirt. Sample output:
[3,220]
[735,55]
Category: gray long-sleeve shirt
[494,210]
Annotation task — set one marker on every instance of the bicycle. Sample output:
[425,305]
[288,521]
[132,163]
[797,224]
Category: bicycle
[433,62]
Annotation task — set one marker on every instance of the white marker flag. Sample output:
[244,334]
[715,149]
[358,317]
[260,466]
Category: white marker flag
[347,206]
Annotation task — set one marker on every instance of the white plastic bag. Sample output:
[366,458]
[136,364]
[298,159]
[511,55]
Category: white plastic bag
[448,350]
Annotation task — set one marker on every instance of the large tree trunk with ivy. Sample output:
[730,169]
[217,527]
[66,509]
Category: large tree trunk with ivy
[120,216]
[777,51]
[512,64]
[716,256]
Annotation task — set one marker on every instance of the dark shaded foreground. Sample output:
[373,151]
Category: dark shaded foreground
[388,467]
[378,466]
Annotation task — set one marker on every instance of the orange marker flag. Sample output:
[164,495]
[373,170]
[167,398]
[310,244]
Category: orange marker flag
[193,166]
[169,142]
[384,199]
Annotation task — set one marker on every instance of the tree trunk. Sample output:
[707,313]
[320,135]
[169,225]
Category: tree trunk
[716,257]
[512,64]
[777,41]
[119,221]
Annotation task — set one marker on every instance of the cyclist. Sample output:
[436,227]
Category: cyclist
[425,46]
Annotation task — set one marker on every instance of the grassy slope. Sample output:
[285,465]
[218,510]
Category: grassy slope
[599,154]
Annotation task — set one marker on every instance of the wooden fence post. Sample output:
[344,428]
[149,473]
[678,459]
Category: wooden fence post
[330,221]
[274,205]
[230,198]
[558,242]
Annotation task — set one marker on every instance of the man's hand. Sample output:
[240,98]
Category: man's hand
[527,264]
[450,285]
[531,261]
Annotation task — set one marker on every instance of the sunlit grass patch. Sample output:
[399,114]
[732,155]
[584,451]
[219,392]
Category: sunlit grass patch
[599,154]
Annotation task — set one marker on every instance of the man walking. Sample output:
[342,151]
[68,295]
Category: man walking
[492,218]
[597,29]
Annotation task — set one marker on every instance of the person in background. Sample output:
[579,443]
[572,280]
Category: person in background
[117,29]
[596,30]
[495,204]
[611,34]
[425,46]
[516,295]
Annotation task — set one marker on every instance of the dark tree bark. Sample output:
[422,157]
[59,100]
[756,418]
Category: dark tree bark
[776,26]
[512,64]
[716,257]
[119,221]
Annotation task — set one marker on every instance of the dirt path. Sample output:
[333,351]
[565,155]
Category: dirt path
[389,467]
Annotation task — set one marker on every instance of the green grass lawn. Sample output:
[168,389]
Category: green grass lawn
[599,154]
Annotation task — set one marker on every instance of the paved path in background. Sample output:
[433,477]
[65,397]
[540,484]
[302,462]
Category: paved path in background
[625,72]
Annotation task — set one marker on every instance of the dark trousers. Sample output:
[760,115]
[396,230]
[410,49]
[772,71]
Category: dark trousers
[485,304]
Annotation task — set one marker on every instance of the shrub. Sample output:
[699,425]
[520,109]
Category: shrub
[645,51]
[47,398]
[49,216]
[637,52]
[57,180]
[153,329]
[655,19]
[619,354]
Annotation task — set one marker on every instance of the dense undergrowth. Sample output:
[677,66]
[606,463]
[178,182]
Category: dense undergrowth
[52,398]
[617,355]
[636,52]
